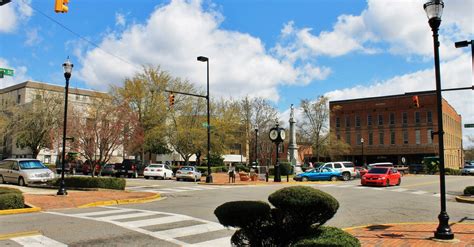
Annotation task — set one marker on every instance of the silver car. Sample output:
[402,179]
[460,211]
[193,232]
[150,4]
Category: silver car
[188,173]
[468,170]
[24,171]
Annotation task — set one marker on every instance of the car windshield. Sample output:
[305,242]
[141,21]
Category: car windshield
[378,170]
[470,167]
[186,168]
[156,166]
[31,164]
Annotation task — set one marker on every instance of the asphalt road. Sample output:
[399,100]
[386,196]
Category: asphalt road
[185,215]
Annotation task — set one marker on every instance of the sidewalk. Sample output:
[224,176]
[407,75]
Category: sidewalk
[223,179]
[412,234]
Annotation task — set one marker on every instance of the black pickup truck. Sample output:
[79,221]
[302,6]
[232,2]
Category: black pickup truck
[129,168]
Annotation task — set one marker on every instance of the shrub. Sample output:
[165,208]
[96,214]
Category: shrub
[303,206]
[92,182]
[11,198]
[431,164]
[451,171]
[242,167]
[469,191]
[242,213]
[328,236]
[286,168]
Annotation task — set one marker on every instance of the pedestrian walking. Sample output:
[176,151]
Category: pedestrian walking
[231,174]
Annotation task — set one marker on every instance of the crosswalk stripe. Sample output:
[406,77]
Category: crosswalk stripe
[192,230]
[221,242]
[419,192]
[124,216]
[327,185]
[156,221]
[38,241]
[190,188]
[361,187]
[345,186]
[374,188]
[399,190]
[121,210]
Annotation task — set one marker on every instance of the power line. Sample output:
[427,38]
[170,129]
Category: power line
[80,36]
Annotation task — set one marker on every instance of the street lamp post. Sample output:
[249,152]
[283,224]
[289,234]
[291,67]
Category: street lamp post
[67,66]
[362,142]
[209,176]
[277,136]
[465,43]
[256,146]
[434,10]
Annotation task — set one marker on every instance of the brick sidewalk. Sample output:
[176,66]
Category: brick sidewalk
[412,234]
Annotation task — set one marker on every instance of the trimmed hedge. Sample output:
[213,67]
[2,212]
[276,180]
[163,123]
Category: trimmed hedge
[92,182]
[11,198]
[469,191]
[328,236]
[242,167]
[241,213]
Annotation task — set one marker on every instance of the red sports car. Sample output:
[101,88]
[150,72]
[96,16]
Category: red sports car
[383,176]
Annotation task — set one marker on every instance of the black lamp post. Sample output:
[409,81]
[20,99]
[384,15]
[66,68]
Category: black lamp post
[434,10]
[256,145]
[67,66]
[209,176]
[465,43]
[277,136]
[362,142]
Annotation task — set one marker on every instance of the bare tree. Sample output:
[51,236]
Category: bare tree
[314,123]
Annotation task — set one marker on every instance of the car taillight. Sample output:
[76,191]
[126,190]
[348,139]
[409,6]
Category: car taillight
[133,167]
[146,169]
[159,170]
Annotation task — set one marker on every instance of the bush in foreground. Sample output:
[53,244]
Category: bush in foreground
[11,198]
[92,182]
[469,191]
[330,237]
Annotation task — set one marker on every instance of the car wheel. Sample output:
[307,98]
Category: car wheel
[21,182]
[3,180]
[346,176]
[129,175]
[304,179]
[399,182]
[164,177]
[177,179]
[146,177]
[387,183]
[155,177]
[333,178]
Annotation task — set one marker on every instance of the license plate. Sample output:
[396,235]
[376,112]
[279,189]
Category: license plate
[123,170]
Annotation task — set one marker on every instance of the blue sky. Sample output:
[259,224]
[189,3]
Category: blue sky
[282,50]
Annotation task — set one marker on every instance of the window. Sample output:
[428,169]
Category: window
[348,122]
[381,135]
[371,138]
[428,136]
[338,122]
[417,117]
[429,117]
[392,137]
[358,138]
[405,136]
[18,100]
[369,120]
[348,138]
[405,118]
[380,118]
[392,118]
[357,121]
[338,136]
[337,165]
[417,137]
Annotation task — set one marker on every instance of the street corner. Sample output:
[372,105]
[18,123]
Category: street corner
[29,209]
[147,199]
[465,199]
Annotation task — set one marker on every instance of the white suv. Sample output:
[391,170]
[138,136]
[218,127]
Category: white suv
[346,168]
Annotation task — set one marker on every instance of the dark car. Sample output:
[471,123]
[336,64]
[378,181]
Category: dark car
[70,167]
[416,168]
[87,168]
[108,170]
[129,168]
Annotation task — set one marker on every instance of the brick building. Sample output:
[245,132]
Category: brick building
[394,129]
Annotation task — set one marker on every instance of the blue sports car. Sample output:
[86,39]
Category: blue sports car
[319,174]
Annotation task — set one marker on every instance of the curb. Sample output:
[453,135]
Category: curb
[122,201]
[18,234]
[464,199]
[20,211]
[403,223]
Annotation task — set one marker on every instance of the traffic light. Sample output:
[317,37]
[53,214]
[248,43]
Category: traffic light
[416,101]
[60,6]
[171,99]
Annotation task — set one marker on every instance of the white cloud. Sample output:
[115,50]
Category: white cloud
[120,19]
[19,74]
[175,34]
[12,14]
[454,74]
[32,37]
[402,25]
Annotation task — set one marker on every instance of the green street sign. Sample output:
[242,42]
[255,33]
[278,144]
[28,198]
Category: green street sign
[8,72]
[468,125]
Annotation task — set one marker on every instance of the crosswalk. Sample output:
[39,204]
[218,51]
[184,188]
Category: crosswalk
[37,240]
[393,189]
[179,229]
[172,190]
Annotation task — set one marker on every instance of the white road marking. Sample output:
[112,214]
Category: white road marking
[118,210]
[157,221]
[37,241]
[399,190]
[123,216]
[192,230]
[221,242]
[419,192]
[327,185]
[346,186]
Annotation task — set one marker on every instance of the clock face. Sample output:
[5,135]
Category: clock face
[273,134]
[282,134]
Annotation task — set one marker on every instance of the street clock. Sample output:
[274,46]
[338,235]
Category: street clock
[277,134]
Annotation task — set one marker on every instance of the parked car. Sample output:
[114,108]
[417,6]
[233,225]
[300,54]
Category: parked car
[108,170]
[87,168]
[383,176]
[380,164]
[361,171]
[188,173]
[70,167]
[158,171]
[468,170]
[24,171]
[416,168]
[129,168]
[345,167]
[319,174]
